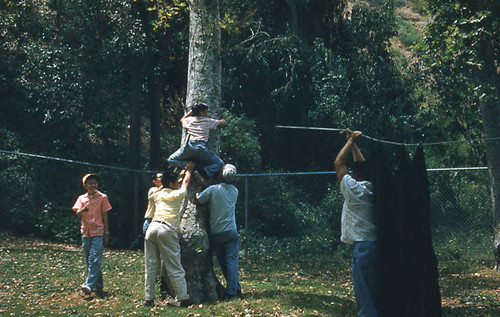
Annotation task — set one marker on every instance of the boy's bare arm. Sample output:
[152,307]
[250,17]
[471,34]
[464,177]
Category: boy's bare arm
[189,113]
[84,208]
[222,123]
[106,228]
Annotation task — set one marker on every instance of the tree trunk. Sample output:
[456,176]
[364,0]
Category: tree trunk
[135,114]
[134,137]
[204,85]
[487,78]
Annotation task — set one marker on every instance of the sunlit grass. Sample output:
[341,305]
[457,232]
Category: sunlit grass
[39,278]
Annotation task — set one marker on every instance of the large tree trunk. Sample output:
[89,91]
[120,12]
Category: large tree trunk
[487,77]
[204,85]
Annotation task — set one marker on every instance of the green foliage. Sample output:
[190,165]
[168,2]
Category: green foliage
[408,34]
[239,143]
[452,52]
[274,215]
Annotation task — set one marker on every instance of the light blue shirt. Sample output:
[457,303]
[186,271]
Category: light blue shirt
[221,199]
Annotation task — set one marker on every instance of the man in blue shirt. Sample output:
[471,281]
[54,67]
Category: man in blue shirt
[221,199]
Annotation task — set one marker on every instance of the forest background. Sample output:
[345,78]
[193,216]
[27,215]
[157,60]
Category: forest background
[105,82]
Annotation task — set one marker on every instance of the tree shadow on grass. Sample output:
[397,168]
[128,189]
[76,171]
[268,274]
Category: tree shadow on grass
[324,305]
[472,311]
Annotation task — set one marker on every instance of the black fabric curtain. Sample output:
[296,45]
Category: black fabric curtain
[408,273]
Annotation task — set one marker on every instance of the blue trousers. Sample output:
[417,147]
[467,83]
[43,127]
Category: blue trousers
[364,277]
[92,250]
[197,151]
[226,247]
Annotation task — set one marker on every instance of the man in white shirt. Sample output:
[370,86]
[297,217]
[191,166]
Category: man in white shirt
[358,224]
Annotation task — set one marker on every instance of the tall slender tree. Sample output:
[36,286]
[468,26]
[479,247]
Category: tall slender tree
[204,85]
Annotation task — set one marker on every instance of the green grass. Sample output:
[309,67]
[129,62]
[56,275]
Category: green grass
[41,278]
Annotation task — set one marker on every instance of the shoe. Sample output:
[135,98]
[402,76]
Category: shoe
[99,292]
[86,289]
[239,294]
[182,303]
[199,179]
[149,302]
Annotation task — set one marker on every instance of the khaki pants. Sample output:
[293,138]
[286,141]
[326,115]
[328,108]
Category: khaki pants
[161,243]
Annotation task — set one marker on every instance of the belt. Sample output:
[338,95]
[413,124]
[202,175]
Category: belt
[169,225]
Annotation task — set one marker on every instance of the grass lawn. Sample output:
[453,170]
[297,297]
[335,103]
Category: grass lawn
[43,278]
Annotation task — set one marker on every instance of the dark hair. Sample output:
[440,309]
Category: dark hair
[361,171]
[153,176]
[167,178]
[199,108]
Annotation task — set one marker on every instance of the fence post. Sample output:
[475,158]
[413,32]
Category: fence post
[246,204]
[136,202]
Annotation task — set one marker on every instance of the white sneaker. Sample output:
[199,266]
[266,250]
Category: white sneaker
[86,289]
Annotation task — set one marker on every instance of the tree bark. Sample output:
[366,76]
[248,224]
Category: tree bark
[487,78]
[204,85]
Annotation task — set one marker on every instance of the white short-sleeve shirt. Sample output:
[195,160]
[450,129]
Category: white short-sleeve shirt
[358,223]
[199,128]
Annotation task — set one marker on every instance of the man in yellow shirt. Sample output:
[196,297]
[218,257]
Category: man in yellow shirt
[162,239]
[150,210]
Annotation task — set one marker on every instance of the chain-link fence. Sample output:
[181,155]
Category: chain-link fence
[38,195]
[311,203]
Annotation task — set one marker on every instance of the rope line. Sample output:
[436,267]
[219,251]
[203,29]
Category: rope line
[78,162]
[240,175]
[385,141]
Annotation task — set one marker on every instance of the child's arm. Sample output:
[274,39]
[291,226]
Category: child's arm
[187,115]
[106,228]
[222,123]
[84,208]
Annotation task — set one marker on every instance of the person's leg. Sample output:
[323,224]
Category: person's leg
[212,163]
[219,247]
[178,158]
[232,256]
[94,278]
[152,262]
[86,243]
[170,251]
[226,246]
[364,257]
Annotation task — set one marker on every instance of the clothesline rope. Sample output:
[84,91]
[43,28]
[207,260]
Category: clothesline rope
[385,141]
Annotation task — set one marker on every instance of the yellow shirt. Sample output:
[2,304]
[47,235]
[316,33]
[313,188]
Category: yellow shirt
[168,204]
[150,211]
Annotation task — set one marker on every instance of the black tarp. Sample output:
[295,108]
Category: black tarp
[408,275]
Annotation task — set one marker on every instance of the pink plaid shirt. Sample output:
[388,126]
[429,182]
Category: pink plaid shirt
[92,224]
[199,128]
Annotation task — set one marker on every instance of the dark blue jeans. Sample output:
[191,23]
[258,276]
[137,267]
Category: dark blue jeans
[364,277]
[197,151]
[226,246]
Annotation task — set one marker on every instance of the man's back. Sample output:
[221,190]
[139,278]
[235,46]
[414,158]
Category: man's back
[222,204]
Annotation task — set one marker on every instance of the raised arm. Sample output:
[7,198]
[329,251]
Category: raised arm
[356,154]
[189,113]
[187,177]
[340,161]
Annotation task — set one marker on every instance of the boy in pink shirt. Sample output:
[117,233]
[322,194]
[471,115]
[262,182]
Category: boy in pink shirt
[198,126]
[93,208]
